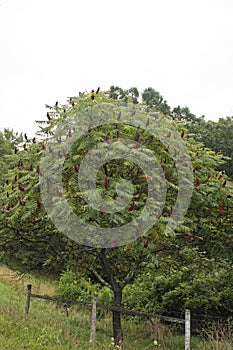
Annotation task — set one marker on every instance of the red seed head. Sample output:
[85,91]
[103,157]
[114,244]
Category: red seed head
[167,175]
[76,168]
[172,212]
[197,181]
[89,127]
[132,207]
[20,187]
[107,138]
[106,182]
[38,170]
[221,210]
[113,244]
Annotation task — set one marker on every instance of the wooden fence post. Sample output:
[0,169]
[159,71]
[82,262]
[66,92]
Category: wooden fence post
[66,309]
[28,297]
[187,330]
[93,320]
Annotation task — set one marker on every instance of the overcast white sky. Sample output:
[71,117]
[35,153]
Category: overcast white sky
[52,49]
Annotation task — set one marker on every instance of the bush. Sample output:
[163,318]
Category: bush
[74,287]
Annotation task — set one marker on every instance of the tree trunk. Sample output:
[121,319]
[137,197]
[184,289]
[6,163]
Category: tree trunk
[116,318]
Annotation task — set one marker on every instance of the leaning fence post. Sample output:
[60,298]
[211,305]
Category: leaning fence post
[187,329]
[93,320]
[28,297]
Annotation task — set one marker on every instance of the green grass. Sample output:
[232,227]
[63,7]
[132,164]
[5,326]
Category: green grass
[47,327]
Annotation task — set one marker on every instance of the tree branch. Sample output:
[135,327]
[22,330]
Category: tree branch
[97,275]
[107,270]
[132,272]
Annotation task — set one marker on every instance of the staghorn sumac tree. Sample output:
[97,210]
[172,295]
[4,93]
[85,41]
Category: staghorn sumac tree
[30,241]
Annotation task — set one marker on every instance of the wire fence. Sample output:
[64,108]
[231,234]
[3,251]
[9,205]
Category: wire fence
[186,322]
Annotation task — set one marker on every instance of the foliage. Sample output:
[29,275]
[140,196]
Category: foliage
[216,135]
[118,93]
[201,285]
[154,99]
[183,113]
[219,137]
[8,141]
[73,286]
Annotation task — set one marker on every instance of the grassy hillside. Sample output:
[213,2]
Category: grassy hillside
[48,328]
